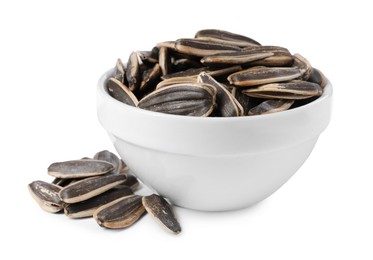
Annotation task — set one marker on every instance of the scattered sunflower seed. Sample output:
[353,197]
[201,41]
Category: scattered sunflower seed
[46,195]
[109,157]
[86,208]
[162,212]
[90,187]
[79,169]
[120,213]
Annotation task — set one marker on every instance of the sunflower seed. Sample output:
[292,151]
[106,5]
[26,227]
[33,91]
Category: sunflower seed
[90,187]
[120,71]
[225,37]
[202,48]
[237,57]
[133,72]
[124,167]
[263,75]
[86,208]
[318,77]
[271,106]
[176,80]
[295,89]
[303,65]
[79,169]
[180,99]
[167,44]
[46,195]
[109,157]
[162,212]
[150,78]
[120,213]
[281,56]
[164,61]
[226,104]
[121,92]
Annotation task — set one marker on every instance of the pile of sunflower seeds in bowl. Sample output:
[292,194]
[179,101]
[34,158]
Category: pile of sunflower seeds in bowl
[101,188]
[216,74]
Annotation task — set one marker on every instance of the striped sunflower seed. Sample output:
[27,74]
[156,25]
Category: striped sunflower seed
[109,157]
[121,92]
[225,37]
[295,89]
[87,208]
[176,80]
[263,75]
[164,61]
[281,56]
[79,169]
[180,99]
[133,72]
[120,213]
[150,77]
[146,58]
[120,71]
[90,187]
[202,48]
[162,212]
[318,77]
[212,72]
[131,181]
[227,105]
[46,195]
[237,57]
[303,65]
[271,106]
[184,64]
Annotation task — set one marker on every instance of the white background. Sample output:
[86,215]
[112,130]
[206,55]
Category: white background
[51,56]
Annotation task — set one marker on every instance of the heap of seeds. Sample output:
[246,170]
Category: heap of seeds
[100,187]
[216,73]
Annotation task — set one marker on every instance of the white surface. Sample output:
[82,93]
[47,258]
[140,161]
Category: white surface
[51,55]
[186,159]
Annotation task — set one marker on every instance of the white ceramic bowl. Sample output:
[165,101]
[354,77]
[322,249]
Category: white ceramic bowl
[213,164]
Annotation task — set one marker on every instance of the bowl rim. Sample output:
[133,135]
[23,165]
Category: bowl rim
[327,93]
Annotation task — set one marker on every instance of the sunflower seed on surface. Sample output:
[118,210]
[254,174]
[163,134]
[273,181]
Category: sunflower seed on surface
[120,213]
[180,99]
[202,48]
[150,78]
[295,89]
[121,92]
[120,71]
[86,208]
[90,187]
[176,80]
[303,65]
[124,167]
[109,157]
[133,72]
[79,169]
[226,104]
[263,75]
[237,57]
[318,77]
[46,195]
[271,106]
[162,212]
[225,37]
